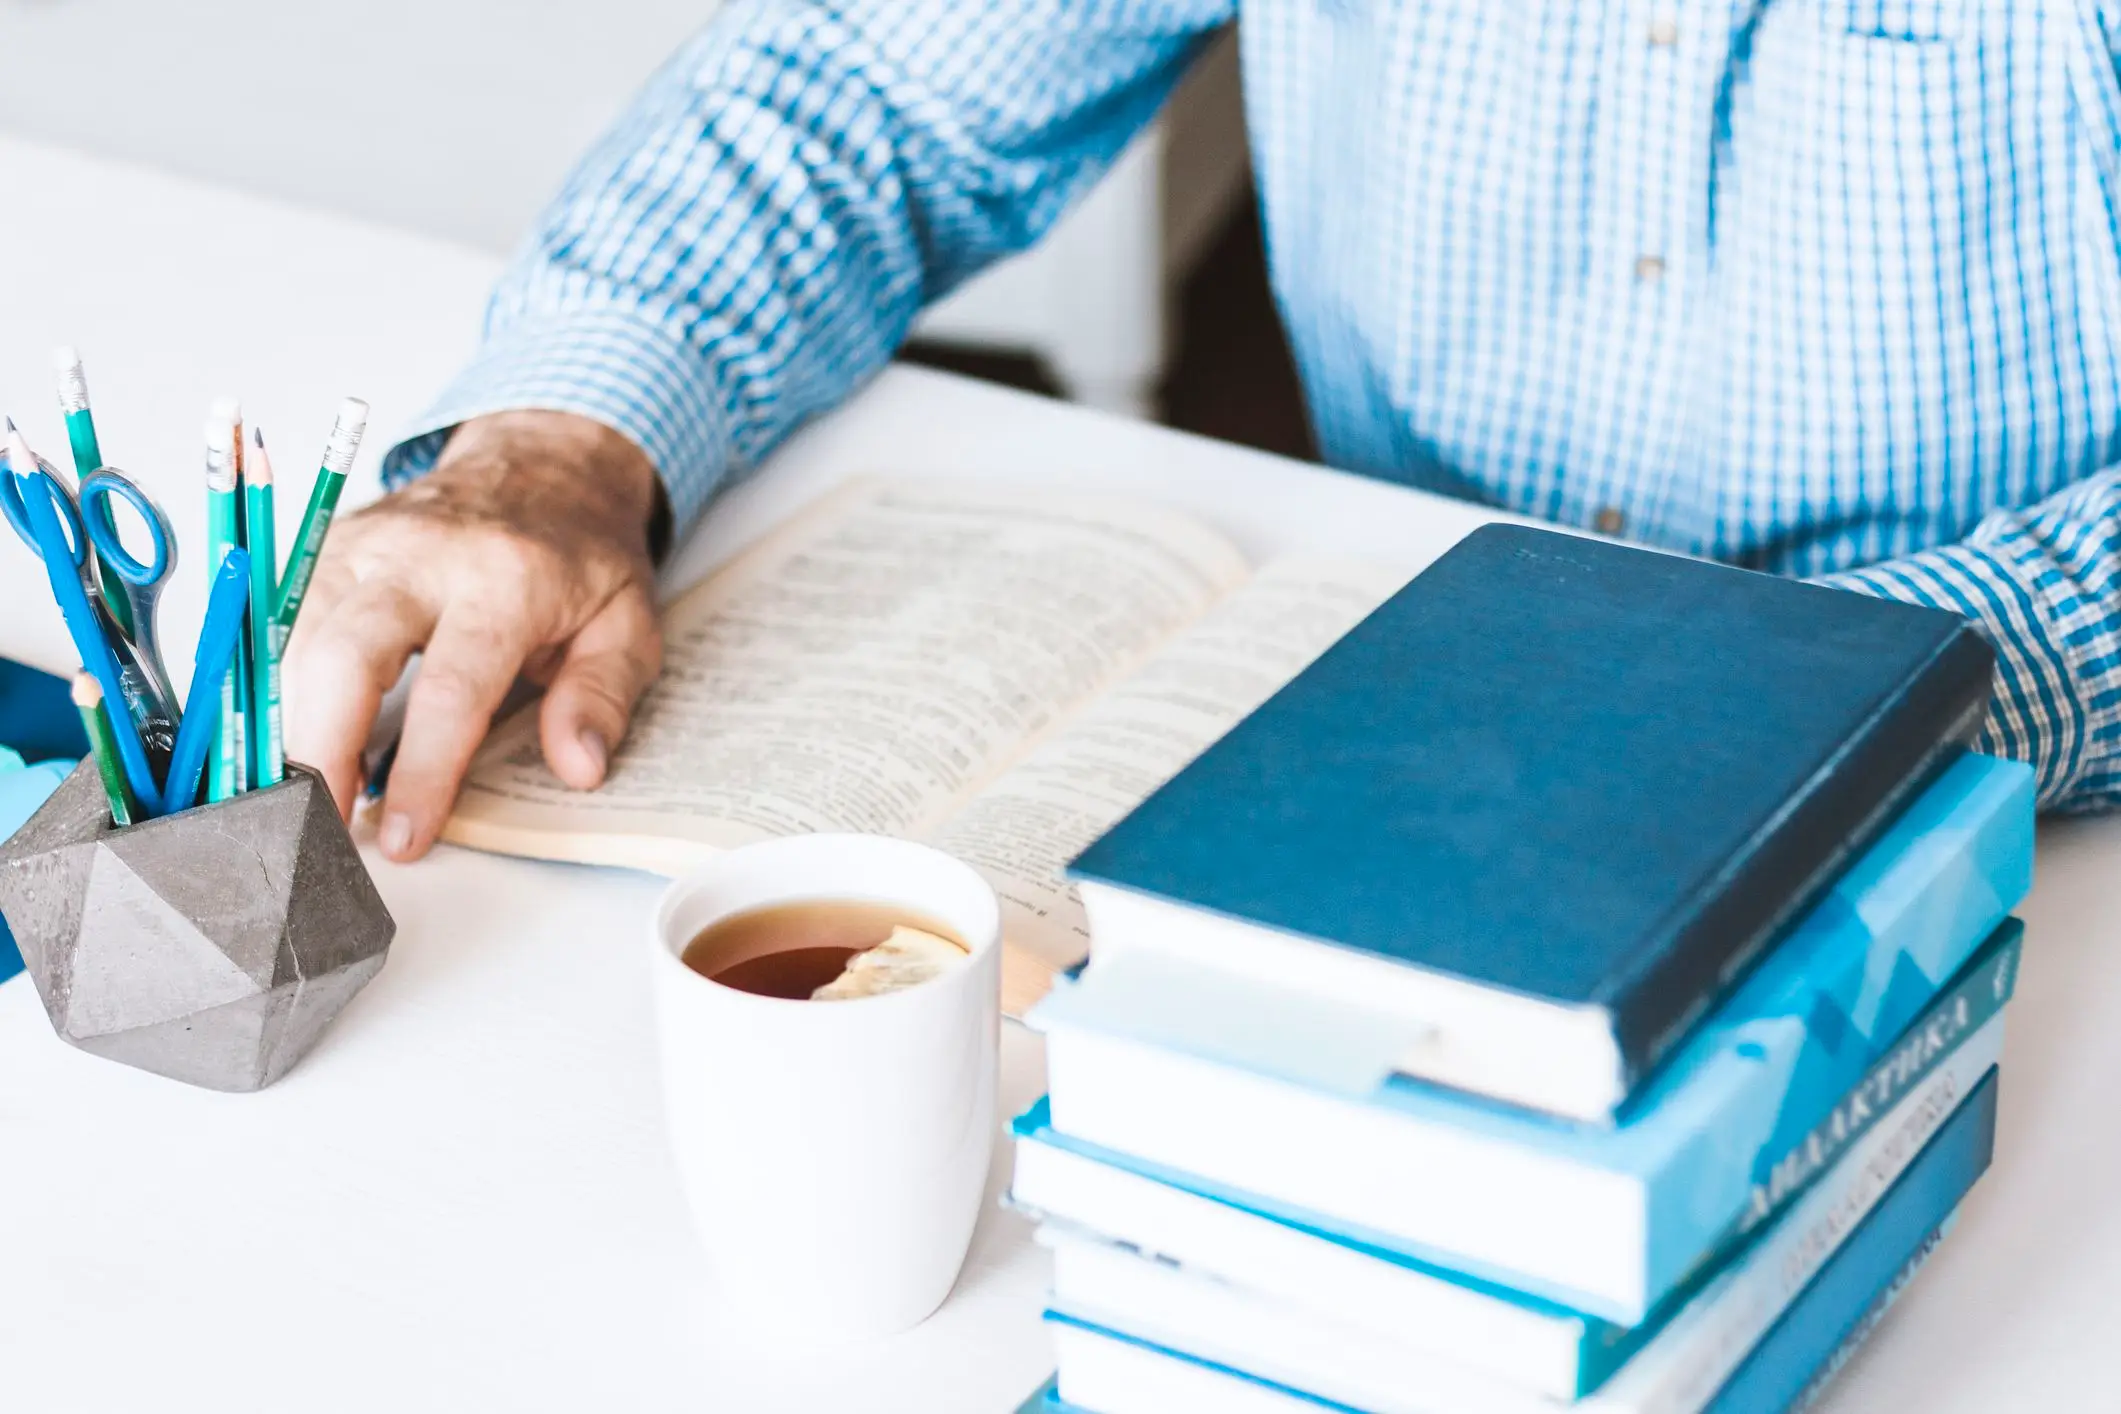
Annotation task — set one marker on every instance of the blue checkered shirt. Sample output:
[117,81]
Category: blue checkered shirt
[1825,287]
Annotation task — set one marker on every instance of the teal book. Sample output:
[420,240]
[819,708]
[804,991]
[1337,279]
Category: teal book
[1110,1369]
[1307,1263]
[1524,827]
[1190,1072]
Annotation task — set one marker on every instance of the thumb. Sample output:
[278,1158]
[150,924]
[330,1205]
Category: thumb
[606,668]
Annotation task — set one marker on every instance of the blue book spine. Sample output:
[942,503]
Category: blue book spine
[1820,1323]
[1872,1315]
[1824,1012]
[1784,1172]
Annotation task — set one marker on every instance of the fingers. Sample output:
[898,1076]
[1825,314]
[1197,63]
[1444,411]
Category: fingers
[607,667]
[329,586]
[347,652]
[471,661]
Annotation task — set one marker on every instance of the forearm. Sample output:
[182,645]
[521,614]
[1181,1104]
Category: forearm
[2042,584]
[756,237]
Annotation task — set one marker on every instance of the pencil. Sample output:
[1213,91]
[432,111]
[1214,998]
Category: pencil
[103,745]
[267,761]
[379,774]
[230,769]
[339,451]
[88,455]
[227,606]
[246,660]
[80,419]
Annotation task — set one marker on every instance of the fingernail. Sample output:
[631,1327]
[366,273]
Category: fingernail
[396,834]
[599,749]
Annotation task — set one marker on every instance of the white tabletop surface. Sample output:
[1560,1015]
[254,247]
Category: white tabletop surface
[461,1201]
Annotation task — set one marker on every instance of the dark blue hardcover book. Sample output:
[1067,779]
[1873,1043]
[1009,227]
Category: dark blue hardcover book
[1813,1335]
[1522,827]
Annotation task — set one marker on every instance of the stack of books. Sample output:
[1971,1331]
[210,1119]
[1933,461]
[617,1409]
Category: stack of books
[1584,985]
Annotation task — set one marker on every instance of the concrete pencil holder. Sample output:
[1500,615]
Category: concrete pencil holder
[212,946]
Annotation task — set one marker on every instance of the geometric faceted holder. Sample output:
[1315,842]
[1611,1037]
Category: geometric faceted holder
[211,946]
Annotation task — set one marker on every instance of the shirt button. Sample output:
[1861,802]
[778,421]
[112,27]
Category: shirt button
[1664,32]
[1649,268]
[1609,521]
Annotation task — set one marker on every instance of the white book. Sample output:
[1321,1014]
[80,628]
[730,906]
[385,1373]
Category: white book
[1377,1342]
[1237,1253]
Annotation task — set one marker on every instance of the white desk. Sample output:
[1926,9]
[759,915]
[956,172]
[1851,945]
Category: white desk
[461,1200]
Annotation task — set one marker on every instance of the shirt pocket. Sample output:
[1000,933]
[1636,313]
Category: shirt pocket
[1908,21]
[1844,279]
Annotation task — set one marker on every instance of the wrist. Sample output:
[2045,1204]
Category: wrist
[541,464]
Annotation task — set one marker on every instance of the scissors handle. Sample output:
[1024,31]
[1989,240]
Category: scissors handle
[139,582]
[97,489]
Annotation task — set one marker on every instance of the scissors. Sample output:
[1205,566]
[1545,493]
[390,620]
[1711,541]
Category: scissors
[85,516]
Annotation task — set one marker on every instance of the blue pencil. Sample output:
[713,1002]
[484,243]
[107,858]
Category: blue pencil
[226,608]
[39,500]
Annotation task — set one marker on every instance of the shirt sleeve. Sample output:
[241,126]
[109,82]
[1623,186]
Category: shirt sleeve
[2041,583]
[755,237]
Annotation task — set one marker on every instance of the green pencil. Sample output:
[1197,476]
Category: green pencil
[268,764]
[228,771]
[88,455]
[339,452]
[95,720]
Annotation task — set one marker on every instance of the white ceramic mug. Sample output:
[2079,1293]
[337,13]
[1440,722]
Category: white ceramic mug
[834,1154]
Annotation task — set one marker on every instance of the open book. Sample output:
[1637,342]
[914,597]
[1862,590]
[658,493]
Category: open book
[1001,673]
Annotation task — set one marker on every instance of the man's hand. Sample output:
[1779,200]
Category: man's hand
[525,551]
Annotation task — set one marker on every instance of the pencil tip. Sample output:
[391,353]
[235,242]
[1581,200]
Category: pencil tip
[11,425]
[257,435]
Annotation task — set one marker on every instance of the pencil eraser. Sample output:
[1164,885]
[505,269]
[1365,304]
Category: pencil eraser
[73,383]
[228,410]
[220,433]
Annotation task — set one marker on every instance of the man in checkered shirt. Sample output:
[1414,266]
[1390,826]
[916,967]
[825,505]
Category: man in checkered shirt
[1825,287]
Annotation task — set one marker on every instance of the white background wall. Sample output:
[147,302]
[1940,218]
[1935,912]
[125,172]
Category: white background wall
[455,117]
[458,118]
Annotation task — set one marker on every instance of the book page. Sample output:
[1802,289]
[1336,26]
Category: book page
[1024,827]
[863,669]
